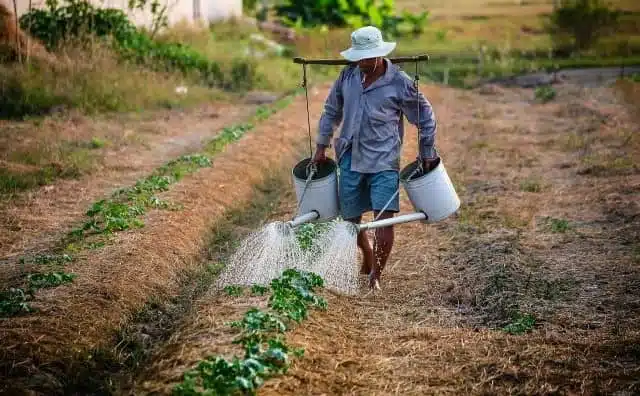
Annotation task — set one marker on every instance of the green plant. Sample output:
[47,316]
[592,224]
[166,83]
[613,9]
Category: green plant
[521,323]
[581,22]
[307,233]
[234,290]
[228,135]
[545,93]
[49,279]
[14,302]
[355,14]
[97,143]
[122,210]
[258,290]
[559,225]
[266,352]
[531,185]
[47,259]
[78,19]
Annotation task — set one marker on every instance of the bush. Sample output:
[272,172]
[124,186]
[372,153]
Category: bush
[581,23]
[80,20]
[354,14]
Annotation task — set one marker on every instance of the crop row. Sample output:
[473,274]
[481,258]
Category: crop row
[266,352]
[122,211]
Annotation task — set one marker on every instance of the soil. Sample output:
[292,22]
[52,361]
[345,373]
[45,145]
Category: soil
[548,229]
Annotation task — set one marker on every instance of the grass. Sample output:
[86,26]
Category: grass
[545,93]
[531,184]
[558,225]
[91,80]
[521,324]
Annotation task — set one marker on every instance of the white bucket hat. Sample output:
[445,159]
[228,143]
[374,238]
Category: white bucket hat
[367,42]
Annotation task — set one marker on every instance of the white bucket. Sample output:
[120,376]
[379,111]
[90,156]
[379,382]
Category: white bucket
[431,193]
[322,191]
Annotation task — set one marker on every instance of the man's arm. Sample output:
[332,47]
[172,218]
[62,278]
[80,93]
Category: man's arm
[414,106]
[331,117]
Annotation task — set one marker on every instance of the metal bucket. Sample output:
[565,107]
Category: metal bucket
[321,194]
[431,193]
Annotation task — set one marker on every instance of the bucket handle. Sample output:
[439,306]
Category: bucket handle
[312,169]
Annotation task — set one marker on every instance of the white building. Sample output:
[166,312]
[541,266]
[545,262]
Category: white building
[190,11]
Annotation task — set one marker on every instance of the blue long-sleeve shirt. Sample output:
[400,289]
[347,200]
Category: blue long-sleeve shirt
[372,119]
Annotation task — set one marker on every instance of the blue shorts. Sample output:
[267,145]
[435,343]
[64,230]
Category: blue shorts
[362,192]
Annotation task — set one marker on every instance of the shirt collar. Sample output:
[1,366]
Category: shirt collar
[384,79]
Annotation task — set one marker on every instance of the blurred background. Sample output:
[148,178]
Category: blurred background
[236,46]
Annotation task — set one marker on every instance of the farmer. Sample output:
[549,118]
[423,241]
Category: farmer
[370,97]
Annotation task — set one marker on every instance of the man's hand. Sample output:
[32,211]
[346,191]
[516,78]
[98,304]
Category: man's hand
[429,164]
[320,155]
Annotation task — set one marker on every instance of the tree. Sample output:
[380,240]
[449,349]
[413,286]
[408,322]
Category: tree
[581,22]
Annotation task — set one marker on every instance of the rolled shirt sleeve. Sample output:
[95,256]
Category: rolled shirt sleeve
[332,114]
[411,101]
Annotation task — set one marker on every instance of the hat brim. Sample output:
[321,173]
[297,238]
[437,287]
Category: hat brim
[354,55]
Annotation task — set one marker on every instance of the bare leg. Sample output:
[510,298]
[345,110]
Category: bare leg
[382,245]
[365,248]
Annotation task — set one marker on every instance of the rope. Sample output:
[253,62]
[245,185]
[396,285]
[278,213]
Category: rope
[306,94]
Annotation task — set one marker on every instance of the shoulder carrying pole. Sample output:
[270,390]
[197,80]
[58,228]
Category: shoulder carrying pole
[329,62]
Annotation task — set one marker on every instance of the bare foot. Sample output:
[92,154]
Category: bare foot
[374,280]
[365,268]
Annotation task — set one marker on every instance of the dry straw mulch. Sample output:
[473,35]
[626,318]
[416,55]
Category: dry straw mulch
[119,279]
[451,287]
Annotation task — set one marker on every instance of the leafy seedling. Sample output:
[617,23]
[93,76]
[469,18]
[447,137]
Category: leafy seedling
[49,279]
[522,323]
[15,302]
[233,290]
[545,93]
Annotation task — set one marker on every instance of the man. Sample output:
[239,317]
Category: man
[370,98]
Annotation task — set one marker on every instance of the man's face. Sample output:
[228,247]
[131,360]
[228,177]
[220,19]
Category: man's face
[367,65]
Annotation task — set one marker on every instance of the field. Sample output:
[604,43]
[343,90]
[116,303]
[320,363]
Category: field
[123,201]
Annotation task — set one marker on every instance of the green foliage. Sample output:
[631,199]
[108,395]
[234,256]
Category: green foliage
[545,93]
[258,290]
[307,233]
[582,22]
[14,302]
[48,259]
[234,290]
[560,225]
[531,185]
[57,23]
[228,135]
[78,19]
[266,353]
[17,99]
[354,14]
[97,143]
[49,279]
[521,323]
[121,211]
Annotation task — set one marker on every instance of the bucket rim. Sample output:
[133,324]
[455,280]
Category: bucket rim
[404,173]
[303,163]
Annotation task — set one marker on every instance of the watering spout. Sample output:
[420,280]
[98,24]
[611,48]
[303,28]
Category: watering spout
[392,221]
[305,218]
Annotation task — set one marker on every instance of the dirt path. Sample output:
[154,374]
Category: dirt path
[36,219]
[549,227]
